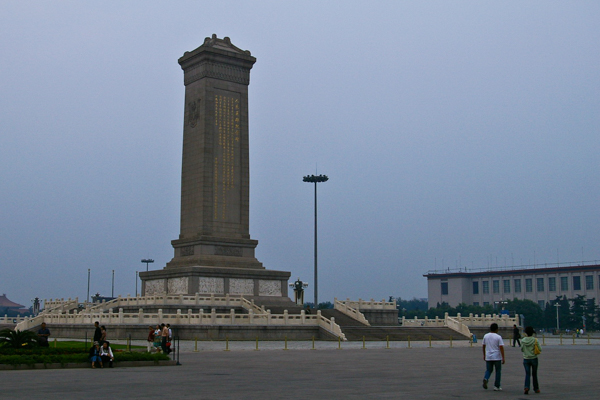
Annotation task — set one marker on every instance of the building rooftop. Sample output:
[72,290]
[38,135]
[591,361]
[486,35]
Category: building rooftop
[5,302]
[520,269]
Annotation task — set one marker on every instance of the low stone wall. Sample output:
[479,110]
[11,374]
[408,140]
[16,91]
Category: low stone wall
[506,333]
[187,332]
[381,317]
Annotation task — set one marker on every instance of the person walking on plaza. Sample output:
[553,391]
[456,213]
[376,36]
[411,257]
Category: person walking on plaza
[102,335]
[516,336]
[493,355]
[531,349]
[165,337]
[170,340]
[150,338]
[157,337]
[97,332]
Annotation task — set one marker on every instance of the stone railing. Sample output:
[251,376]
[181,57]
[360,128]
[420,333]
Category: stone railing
[455,323]
[6,320]
[457,326]
[250,306]
[370,304]
[345,308]
[484,321]
[472,321]
[329,325]
[178,300]
[62,305]
[88,317]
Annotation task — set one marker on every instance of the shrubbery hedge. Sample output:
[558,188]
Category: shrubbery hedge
[46,355]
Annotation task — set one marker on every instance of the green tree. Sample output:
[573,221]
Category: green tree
[576,312]
[565,319]
[325,305]
[592,315]
[533,313]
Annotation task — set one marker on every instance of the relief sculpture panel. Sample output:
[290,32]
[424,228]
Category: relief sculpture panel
[269,288]
[177,285]
[241,286]
[211,285]
[155,287]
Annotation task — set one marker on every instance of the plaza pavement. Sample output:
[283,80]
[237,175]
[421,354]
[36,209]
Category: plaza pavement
[420,372]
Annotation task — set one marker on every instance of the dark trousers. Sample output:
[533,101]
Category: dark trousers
[490,365]
[163,345]
[516,340]
[531,367]
[105,360]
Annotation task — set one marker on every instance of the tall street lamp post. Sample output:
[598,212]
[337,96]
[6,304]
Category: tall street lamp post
[147,261]
[88,291]
[557,320]
[316,179]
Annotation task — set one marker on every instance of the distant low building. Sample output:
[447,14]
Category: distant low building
[9,307]
[539,284]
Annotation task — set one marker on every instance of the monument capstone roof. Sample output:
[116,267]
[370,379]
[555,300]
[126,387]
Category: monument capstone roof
[224,44]
[219,46]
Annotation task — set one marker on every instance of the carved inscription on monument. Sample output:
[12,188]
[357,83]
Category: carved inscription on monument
[226,191]
[193,112]
[187,251]
[228,251]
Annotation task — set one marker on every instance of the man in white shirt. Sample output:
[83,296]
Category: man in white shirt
[493,354]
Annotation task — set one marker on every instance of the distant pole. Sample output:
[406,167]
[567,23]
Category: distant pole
[88,292]
[136,279]
[316,179]
[147,261]
[557,320]
[112,293]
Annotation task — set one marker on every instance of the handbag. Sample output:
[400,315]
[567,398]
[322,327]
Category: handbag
[536,348]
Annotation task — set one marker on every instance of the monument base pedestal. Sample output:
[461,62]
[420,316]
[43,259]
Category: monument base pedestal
[266,287]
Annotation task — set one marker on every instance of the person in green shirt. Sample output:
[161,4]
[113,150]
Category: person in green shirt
[530,359]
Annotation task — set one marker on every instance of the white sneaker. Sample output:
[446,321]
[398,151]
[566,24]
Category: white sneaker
[497,389]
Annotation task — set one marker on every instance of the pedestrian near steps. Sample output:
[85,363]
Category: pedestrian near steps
[493,355]
[164,338]
[97,332]
[150,338]
[516,336]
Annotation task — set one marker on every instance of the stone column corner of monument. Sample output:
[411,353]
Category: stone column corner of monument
[214,253]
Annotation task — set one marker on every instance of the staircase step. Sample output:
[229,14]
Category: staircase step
[400,333]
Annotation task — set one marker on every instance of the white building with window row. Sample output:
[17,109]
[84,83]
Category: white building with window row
[539,284]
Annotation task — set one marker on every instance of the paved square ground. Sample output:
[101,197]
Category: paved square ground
[349,373]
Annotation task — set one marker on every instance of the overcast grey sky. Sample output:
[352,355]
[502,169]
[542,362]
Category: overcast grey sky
[455,134]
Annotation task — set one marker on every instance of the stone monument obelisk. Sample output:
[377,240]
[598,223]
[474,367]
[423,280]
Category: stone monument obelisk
[214,253]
